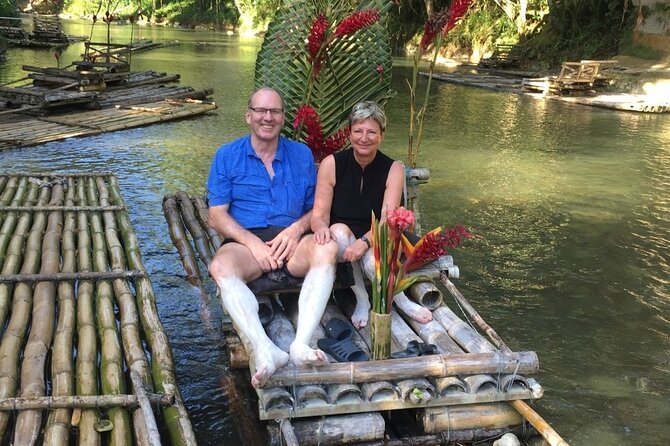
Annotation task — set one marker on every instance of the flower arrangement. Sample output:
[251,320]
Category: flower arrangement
[389,244]
[434,32]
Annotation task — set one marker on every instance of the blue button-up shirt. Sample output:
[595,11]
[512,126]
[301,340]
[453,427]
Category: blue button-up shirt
[239,178]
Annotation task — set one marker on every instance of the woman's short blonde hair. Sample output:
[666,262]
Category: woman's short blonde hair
[368,110]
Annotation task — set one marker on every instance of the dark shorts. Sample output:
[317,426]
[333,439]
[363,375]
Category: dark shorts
[265,234]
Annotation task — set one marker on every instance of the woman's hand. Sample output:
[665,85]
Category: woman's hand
[355,251]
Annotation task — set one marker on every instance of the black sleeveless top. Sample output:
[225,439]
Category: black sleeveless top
[352,205]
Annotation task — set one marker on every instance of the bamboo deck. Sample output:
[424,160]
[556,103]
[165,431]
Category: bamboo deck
[70,372]
[457,395]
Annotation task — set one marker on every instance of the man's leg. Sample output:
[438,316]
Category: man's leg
[417,312]
[317,263]
[344,238]
[230,268]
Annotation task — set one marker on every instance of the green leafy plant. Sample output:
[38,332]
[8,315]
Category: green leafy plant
[322,71]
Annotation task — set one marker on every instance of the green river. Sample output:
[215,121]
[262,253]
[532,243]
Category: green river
[571,206]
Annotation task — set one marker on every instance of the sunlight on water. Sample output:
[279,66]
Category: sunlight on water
[571,206]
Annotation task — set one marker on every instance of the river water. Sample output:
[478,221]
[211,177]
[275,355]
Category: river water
[571,206]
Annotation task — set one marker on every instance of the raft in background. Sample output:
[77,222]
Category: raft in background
[83,357]
[458,395]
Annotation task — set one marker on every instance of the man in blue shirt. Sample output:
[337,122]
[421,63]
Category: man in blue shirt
[261,192]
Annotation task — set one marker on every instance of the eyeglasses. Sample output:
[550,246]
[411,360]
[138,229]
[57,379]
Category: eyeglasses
[262,111]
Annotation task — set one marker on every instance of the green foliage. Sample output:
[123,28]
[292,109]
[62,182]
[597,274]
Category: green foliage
[8,8]
[356,67]
[261,12]
[582,29]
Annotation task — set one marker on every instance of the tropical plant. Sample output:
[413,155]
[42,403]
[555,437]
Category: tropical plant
[324,57]
[389,244]
[434,33]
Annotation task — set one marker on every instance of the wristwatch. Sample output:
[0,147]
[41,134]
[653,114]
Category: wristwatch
[366,240]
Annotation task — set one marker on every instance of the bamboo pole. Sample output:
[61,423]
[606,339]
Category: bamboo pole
[153,437]
[87,350]
[112,379]
[62,208]
[405,368]
[12,240]
[547,432]
[200,239]
[28,422]
[179,240]
[57,428]
[16,193]
[68,276]
[202,213]
[13,337]
[82,402]
[497,341]
[176,417]
[130,325]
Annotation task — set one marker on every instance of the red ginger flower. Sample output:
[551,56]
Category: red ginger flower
[356,21]
[432,245]
[431,29]
[400,219]
[457,10]
[316,35]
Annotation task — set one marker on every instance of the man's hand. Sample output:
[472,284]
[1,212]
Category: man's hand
[264,256]
[284,244]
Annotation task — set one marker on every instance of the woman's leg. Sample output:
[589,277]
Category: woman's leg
[344,237]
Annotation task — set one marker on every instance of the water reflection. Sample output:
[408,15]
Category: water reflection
[571,205]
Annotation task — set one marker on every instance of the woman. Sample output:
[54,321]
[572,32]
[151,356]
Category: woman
[350,185]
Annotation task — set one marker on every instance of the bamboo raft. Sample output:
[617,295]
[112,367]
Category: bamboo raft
[475,388]
[583,93]
[84,358]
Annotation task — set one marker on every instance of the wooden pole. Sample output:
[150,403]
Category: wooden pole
[497,341]
[203,216]
[547,432]
[199,236]
[179,240]
[153,436]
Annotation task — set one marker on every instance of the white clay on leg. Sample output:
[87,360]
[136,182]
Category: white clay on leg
[242,306]
[313,298]
[417,312]
[361,313]
[359,318]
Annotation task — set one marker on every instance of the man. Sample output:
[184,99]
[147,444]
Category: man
[261,192]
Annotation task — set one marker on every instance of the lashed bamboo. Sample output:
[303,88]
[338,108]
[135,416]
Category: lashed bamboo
[150,429]
[200,239]
[13,337]
[179,240]
[175,417]
[130,324]
[203,217]
[448,418]
[112,379]
[405,368]
[63,208]
[3,183]
[12,239]
[87,350]
[337,430]
[486,328]
[28,422]
[463,334]
[57,428]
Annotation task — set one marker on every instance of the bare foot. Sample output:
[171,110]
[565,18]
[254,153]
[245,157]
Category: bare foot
[360,317]
[417,312]
[267,360]
[302,355]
